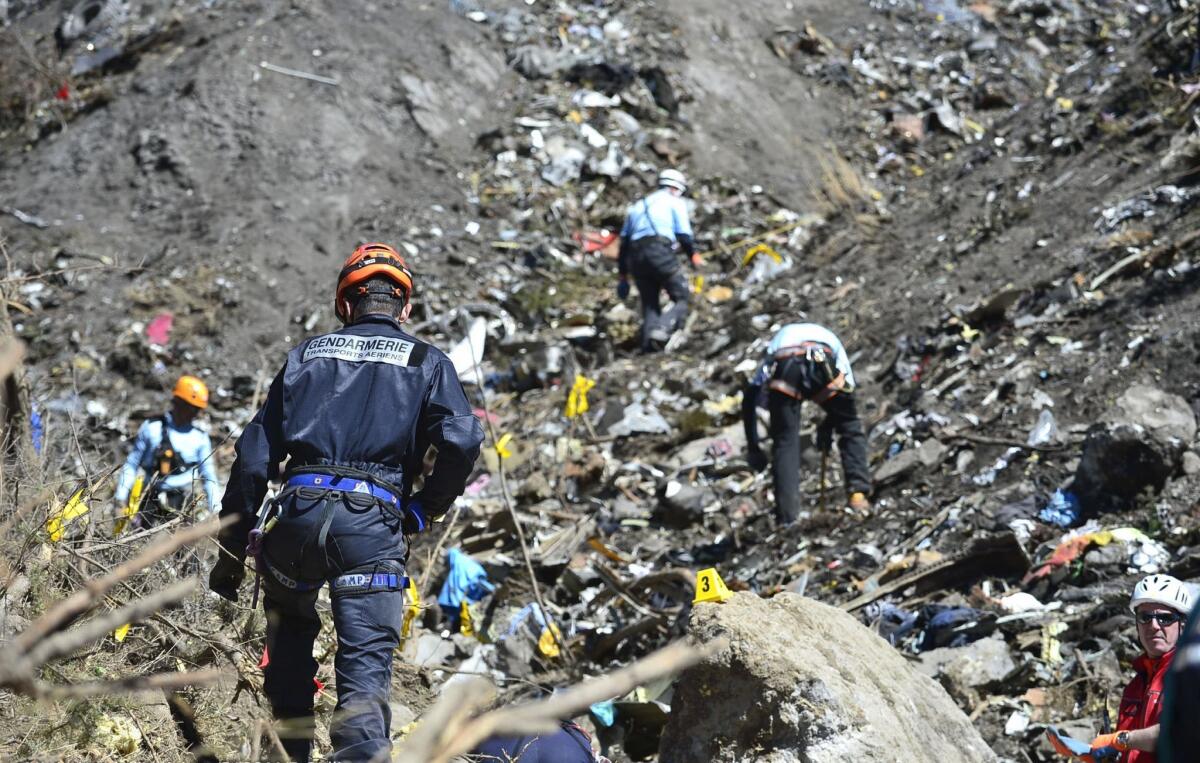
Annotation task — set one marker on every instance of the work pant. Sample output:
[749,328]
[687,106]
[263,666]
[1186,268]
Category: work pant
[159,506]
[361,556]
[841,416]
[655,268]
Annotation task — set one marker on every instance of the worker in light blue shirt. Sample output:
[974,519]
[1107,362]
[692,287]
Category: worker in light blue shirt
[797,334]
[806,361]
[174,454]
[653,227]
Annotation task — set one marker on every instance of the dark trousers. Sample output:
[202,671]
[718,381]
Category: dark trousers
[841,416]
[158,506]
[359,543]
[655,268]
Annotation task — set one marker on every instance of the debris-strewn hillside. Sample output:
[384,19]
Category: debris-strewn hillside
[992,204]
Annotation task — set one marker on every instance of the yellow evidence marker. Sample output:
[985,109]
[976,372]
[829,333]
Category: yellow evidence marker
[710,587]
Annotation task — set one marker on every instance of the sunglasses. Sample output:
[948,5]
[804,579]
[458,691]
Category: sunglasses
[1162,618]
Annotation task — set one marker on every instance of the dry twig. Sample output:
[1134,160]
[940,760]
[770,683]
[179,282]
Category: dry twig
[448,730]
[45,639]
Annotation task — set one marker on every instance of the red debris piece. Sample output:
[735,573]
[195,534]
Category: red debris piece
[159,330]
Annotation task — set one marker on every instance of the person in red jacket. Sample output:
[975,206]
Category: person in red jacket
[1161,604]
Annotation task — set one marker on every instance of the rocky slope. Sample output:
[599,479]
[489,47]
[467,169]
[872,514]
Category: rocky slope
[991,205]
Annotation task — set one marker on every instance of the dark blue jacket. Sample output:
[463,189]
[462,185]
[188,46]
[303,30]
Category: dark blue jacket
[370,397]
[567,745]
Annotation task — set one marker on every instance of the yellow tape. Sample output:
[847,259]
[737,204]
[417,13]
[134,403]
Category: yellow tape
[74,508]
[577,400]
[548,643]
[130,510]
[502,445]
[465,626]
[754,251]
[412,609]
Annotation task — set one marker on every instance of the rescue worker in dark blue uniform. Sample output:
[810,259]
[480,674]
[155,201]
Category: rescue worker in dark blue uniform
[570,744]
[653,226]
[354,413]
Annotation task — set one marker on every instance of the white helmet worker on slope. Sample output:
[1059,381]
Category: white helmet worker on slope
[672,179]
[1160,605]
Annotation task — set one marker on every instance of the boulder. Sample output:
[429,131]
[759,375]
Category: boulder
[929,454]
[682,505]
[1167,417]
[803,681]
[1137,445]
[967,670]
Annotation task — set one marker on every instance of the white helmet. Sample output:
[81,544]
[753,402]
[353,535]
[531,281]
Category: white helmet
[672,179]
[1161,589]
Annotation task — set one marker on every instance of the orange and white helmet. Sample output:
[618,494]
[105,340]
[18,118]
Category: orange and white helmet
[369,261]
[192,391]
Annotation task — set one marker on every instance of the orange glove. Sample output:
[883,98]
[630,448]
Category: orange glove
[696,261]
[1105,742]
[1062,749]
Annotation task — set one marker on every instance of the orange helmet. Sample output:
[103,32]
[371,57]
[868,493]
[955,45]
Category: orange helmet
[192,391]
[370,260]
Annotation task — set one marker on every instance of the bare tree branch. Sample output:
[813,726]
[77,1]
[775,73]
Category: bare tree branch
[85,598]
[131,684]
[446,730]
[45,639]
[68,641]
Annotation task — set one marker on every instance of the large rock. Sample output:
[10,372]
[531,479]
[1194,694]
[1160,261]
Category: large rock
[966,671]
[1167,417]
[805,682]
[1137,445]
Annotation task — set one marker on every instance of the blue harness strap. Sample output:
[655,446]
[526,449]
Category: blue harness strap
[343,484]
[366,582]
[300,586]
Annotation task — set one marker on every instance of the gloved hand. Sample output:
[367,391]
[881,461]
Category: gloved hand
[227,574]
[415,520]
[757,459]
[1106,746]
[623,288]
[696,261]
[1071,748]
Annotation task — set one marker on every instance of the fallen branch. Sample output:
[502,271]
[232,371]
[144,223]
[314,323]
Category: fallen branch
[66,642]
[447,730]
[1013,443]
[1150,257]
[87,597]
[45,640]
[134,683]
[512,510]
[298,74]
[11,356]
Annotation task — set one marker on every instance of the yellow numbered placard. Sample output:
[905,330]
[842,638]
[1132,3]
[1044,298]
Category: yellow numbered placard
[120,633]
[710,587]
